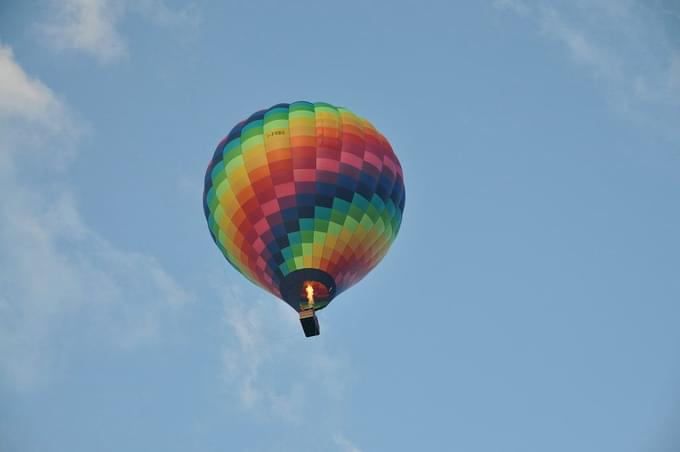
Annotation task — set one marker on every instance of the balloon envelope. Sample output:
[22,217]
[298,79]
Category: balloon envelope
[304,199]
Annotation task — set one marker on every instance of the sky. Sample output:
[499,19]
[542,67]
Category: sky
[530,302]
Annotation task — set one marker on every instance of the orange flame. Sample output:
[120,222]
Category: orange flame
[310,294]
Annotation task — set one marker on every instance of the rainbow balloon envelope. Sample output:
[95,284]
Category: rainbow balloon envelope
[304,199]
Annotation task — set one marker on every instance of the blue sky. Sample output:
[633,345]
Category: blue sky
[530,302]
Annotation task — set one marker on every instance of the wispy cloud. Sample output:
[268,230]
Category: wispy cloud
[628,45]
[91,26]
[272,368]
[55,268]
[344,444]
[26,98]
[275,374]
[88,26]
[515,6]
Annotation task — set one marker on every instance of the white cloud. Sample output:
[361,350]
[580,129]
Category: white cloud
[23,97]
[26,107]
[345,445]
[91,26]
[88,26]
[626,44]
[516,6]
[269,364]
[277,375]
[186,18]
[59,277]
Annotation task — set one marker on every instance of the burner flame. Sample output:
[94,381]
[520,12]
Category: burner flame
[310,294]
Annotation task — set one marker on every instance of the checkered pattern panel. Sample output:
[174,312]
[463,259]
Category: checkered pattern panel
[304,185]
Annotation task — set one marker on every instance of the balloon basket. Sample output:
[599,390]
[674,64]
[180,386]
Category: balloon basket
[310,323]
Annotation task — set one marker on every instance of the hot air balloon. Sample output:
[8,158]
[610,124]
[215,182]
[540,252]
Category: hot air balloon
[304,199]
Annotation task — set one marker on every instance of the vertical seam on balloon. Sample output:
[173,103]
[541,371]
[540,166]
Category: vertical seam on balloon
[234,261]
[384,146]
[382,251]
[326,252]
[259,205]
[316,156]
[291,157]
[347,246]
[341,128]
[336,250]
[355,256]
[292,160]
[343,252]
[397,184]
[254,270]
[365,242]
